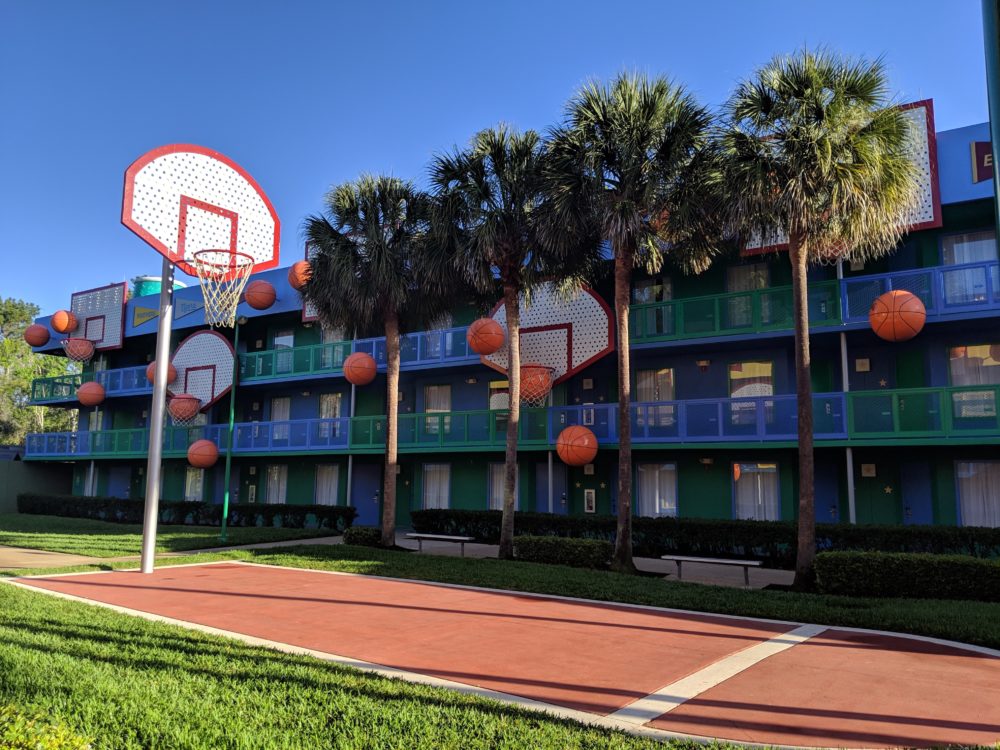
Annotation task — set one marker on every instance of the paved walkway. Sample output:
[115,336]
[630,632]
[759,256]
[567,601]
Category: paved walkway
[638,668]
[13,558]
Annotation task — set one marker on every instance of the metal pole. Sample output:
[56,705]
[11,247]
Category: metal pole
[845,384]
[350,456]
[155,460]
[991,46]
[551,495]
[90,486]
[229,432]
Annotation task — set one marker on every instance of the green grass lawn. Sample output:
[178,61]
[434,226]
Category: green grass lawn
[81,536]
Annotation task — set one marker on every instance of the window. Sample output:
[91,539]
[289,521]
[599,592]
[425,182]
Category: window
[329,409]
[657,485]
[194,485]
[327,484]
[967,286]
[755,492]
[658,319]
[499,395]
[652,290]
[437,342]
[654,386]
[277,484]
[751,380]
[281,409]
[284,358]
[437,485]
[95,420]
[978,492]
[496,487]
[970,366]
[437,400]
[745,278]
[330,354]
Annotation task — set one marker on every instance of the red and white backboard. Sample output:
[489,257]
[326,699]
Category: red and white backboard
[927,213]
[100,315]
[204,364]
[564,334]
[183,199]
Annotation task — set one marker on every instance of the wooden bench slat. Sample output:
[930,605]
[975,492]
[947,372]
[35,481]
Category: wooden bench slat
[442,537]
[713,560]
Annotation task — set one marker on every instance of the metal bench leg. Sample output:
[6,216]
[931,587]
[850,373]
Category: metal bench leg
[679,576]
[746,576]
[463,549]
[420,545]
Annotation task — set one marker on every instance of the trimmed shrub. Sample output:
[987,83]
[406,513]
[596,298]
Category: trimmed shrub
[363,536]
[554,550]
[117,510]
[908,575]
[21,731]
[773,542]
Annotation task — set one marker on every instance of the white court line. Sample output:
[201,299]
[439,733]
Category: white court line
[666,699]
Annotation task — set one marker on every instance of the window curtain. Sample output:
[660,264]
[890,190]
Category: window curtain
[284,357]
[329,408]
[496,487]
[437,399]
[970,366]
[653,386]
[327,484]
[436,342]
[281,409]
[657,489]
[277,484]
[331,355]
[194,485]
[746,278]
[756,492]
[436,486]
[967,286]
[979,492]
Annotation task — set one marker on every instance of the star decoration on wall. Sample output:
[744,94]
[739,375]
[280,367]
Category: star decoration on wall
[603,485]
[578,485]
[888,490]
[883,383]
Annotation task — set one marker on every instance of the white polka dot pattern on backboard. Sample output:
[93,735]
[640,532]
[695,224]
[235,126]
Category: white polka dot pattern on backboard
[99,313]
[204,364]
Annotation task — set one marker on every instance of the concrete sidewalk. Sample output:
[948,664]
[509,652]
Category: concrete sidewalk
[16,558]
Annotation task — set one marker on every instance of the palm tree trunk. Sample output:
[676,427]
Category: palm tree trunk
[798,254]
[512,307]
[622,560]
[391,429]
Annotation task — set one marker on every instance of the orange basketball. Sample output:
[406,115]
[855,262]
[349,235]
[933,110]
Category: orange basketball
[184,407]
[36,335]
[202,454]
[151,372]
[260,295]
[63,321]
[299,274]
[90,394]
[485,336]
[80,350]
[576,446]
[359,368]
[897,315]
[536,382]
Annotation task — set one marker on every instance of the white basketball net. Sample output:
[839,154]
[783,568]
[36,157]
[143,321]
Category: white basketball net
[223,275]
[77,349]
[183,421]
[538,380]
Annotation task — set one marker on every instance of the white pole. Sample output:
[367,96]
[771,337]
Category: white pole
[155,460]
[845,381]
[350,456]
[551,496]
[90,486]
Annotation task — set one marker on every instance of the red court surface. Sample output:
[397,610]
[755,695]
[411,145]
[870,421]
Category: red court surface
[751,682]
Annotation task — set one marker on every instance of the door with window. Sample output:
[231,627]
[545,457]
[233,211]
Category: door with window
[752,381]
[284,357]
[329,428]
[978,486]
[276,489]
[281,410]
[436,486]
[739,309]
[327,484]
[194,485]
[877,494]
[969,366]
[756,492]
[652,388]
[656,485]
[496,487]
[968,286]
[437,400]
[657,319]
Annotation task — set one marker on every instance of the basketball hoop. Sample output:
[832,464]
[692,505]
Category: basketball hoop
[223,275]
[536,382]
[184,409]
[79,350]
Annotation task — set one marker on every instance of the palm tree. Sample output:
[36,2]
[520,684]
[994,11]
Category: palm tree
[374,268]
[488,197]
[631,167]
[816,155]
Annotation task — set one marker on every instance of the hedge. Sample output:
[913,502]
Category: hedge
[363,536]
[23,731]
[908,576]
[773,542]
[554,550]
[117,510]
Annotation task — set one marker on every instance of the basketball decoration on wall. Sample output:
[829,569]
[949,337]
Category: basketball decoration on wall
[299,274]
[90,394]
[260,295]
[63,321]
[576,446]
[897,315]
[485,336]
[184,407]
[151,372]
[36,335]
[359,368]
[536,382]
[202,454]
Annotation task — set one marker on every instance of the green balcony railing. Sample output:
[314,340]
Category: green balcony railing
[315,359]
[962,411]
[58,388]
[732,314]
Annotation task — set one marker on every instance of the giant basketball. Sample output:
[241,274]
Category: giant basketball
[359,368]
[576,446]
[485,336]
[151,372]
[203,454]
[260,295]
[299,274]
[36,335]
[90,394]
[63,321]
[897,315]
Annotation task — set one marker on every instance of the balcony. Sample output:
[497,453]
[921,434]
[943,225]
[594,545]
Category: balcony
[956,412]
[125,381]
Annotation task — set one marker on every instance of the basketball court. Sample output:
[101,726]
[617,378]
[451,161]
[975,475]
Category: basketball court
[646,670]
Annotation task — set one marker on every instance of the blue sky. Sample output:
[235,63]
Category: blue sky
[308,94]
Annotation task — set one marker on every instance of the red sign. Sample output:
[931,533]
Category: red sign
[982,161]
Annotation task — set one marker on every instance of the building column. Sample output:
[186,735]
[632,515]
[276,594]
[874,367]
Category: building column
[991,46]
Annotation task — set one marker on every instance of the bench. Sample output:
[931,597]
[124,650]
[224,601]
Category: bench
[745,564]
[440,538]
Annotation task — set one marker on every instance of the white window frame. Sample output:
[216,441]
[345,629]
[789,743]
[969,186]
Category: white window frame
[761,512]
[663,506]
